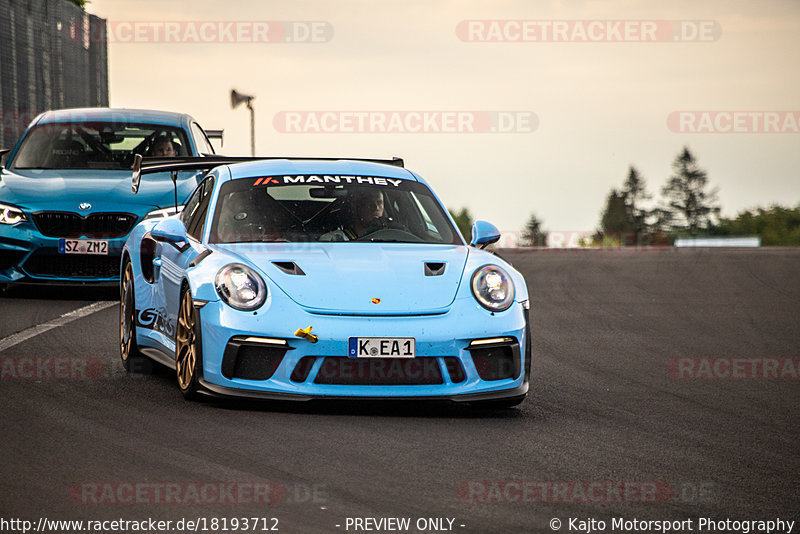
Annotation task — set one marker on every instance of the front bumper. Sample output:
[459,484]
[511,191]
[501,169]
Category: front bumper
[447,367]
[236,393]
[27,256]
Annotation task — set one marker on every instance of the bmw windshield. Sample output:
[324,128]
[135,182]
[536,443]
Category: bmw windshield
[329,209]
[96,145]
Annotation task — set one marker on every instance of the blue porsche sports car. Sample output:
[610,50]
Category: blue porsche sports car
[66,205]
[308,278]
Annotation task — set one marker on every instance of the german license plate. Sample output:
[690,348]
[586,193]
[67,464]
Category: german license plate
[97,247]
[382,347]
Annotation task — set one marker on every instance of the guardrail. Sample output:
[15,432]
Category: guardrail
[718,241]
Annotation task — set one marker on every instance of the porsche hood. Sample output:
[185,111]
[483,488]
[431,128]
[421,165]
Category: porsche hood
[362,278]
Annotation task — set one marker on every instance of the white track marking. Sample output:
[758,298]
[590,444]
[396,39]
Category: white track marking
[74,315]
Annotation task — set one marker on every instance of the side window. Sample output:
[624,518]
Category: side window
[196,221]
[201,140]
[191,205]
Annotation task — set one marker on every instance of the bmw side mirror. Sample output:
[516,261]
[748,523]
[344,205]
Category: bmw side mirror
[3,152]
[484,233]
[170,231]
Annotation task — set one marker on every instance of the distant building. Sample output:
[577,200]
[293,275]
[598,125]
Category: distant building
[53,55]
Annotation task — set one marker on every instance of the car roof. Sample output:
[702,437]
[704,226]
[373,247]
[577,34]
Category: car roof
[339,167]
[166,118]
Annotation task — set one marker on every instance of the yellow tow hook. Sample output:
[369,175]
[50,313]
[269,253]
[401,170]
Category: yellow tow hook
[305,333]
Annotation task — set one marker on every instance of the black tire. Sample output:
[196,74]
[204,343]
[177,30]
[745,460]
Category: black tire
[188,351]
[132,359]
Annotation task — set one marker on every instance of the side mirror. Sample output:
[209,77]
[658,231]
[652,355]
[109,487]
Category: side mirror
[137,173]
[484,233]
[3,152]
[169,230]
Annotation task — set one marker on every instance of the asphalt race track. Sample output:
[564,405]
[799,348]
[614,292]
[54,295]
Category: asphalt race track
[649,401]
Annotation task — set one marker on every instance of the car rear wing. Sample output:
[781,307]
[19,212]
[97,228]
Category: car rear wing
[205,163]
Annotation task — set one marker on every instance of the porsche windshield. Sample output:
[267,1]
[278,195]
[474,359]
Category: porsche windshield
[329,209]
[96,145]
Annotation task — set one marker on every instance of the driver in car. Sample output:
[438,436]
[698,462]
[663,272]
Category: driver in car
[163,148]
[364,216]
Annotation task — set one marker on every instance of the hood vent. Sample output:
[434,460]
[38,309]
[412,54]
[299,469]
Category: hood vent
[433,268]
[289,267]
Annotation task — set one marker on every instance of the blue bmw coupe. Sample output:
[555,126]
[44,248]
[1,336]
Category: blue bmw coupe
[301,279]
[66,205]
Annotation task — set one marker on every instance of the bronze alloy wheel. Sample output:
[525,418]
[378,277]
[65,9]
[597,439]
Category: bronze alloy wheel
[187,349]
[132,359]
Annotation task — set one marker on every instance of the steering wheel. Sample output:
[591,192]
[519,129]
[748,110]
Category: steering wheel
[389,235]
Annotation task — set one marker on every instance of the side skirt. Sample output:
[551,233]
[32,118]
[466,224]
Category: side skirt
[159,356]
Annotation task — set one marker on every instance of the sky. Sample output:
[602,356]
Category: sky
[509,108]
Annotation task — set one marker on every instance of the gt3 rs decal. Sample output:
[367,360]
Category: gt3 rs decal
[326,179]
[155,319]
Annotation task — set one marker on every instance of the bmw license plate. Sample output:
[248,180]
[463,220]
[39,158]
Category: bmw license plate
[97,247]
[381,347]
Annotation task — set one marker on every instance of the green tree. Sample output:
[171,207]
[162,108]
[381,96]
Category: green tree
[533,234]
[776,225]
[615,219]
[80,3]
[464,222]
[690,204]
[624,220]
[634,192]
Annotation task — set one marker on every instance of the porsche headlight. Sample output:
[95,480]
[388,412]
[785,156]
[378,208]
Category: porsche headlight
[10,215]
[161,213]
[241,287]
[493,288]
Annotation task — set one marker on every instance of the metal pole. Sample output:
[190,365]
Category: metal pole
[252,127]
[174,176]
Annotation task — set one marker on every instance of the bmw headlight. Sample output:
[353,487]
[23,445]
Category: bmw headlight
[161,213]
[241,287]
[493,288]
[10,215]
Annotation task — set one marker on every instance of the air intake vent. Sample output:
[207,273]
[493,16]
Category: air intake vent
[433,268]
[342,370]
[9,258]
[497,362]
[95,226]
[251,361]
[289,267]
[72,265]
[303,367]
